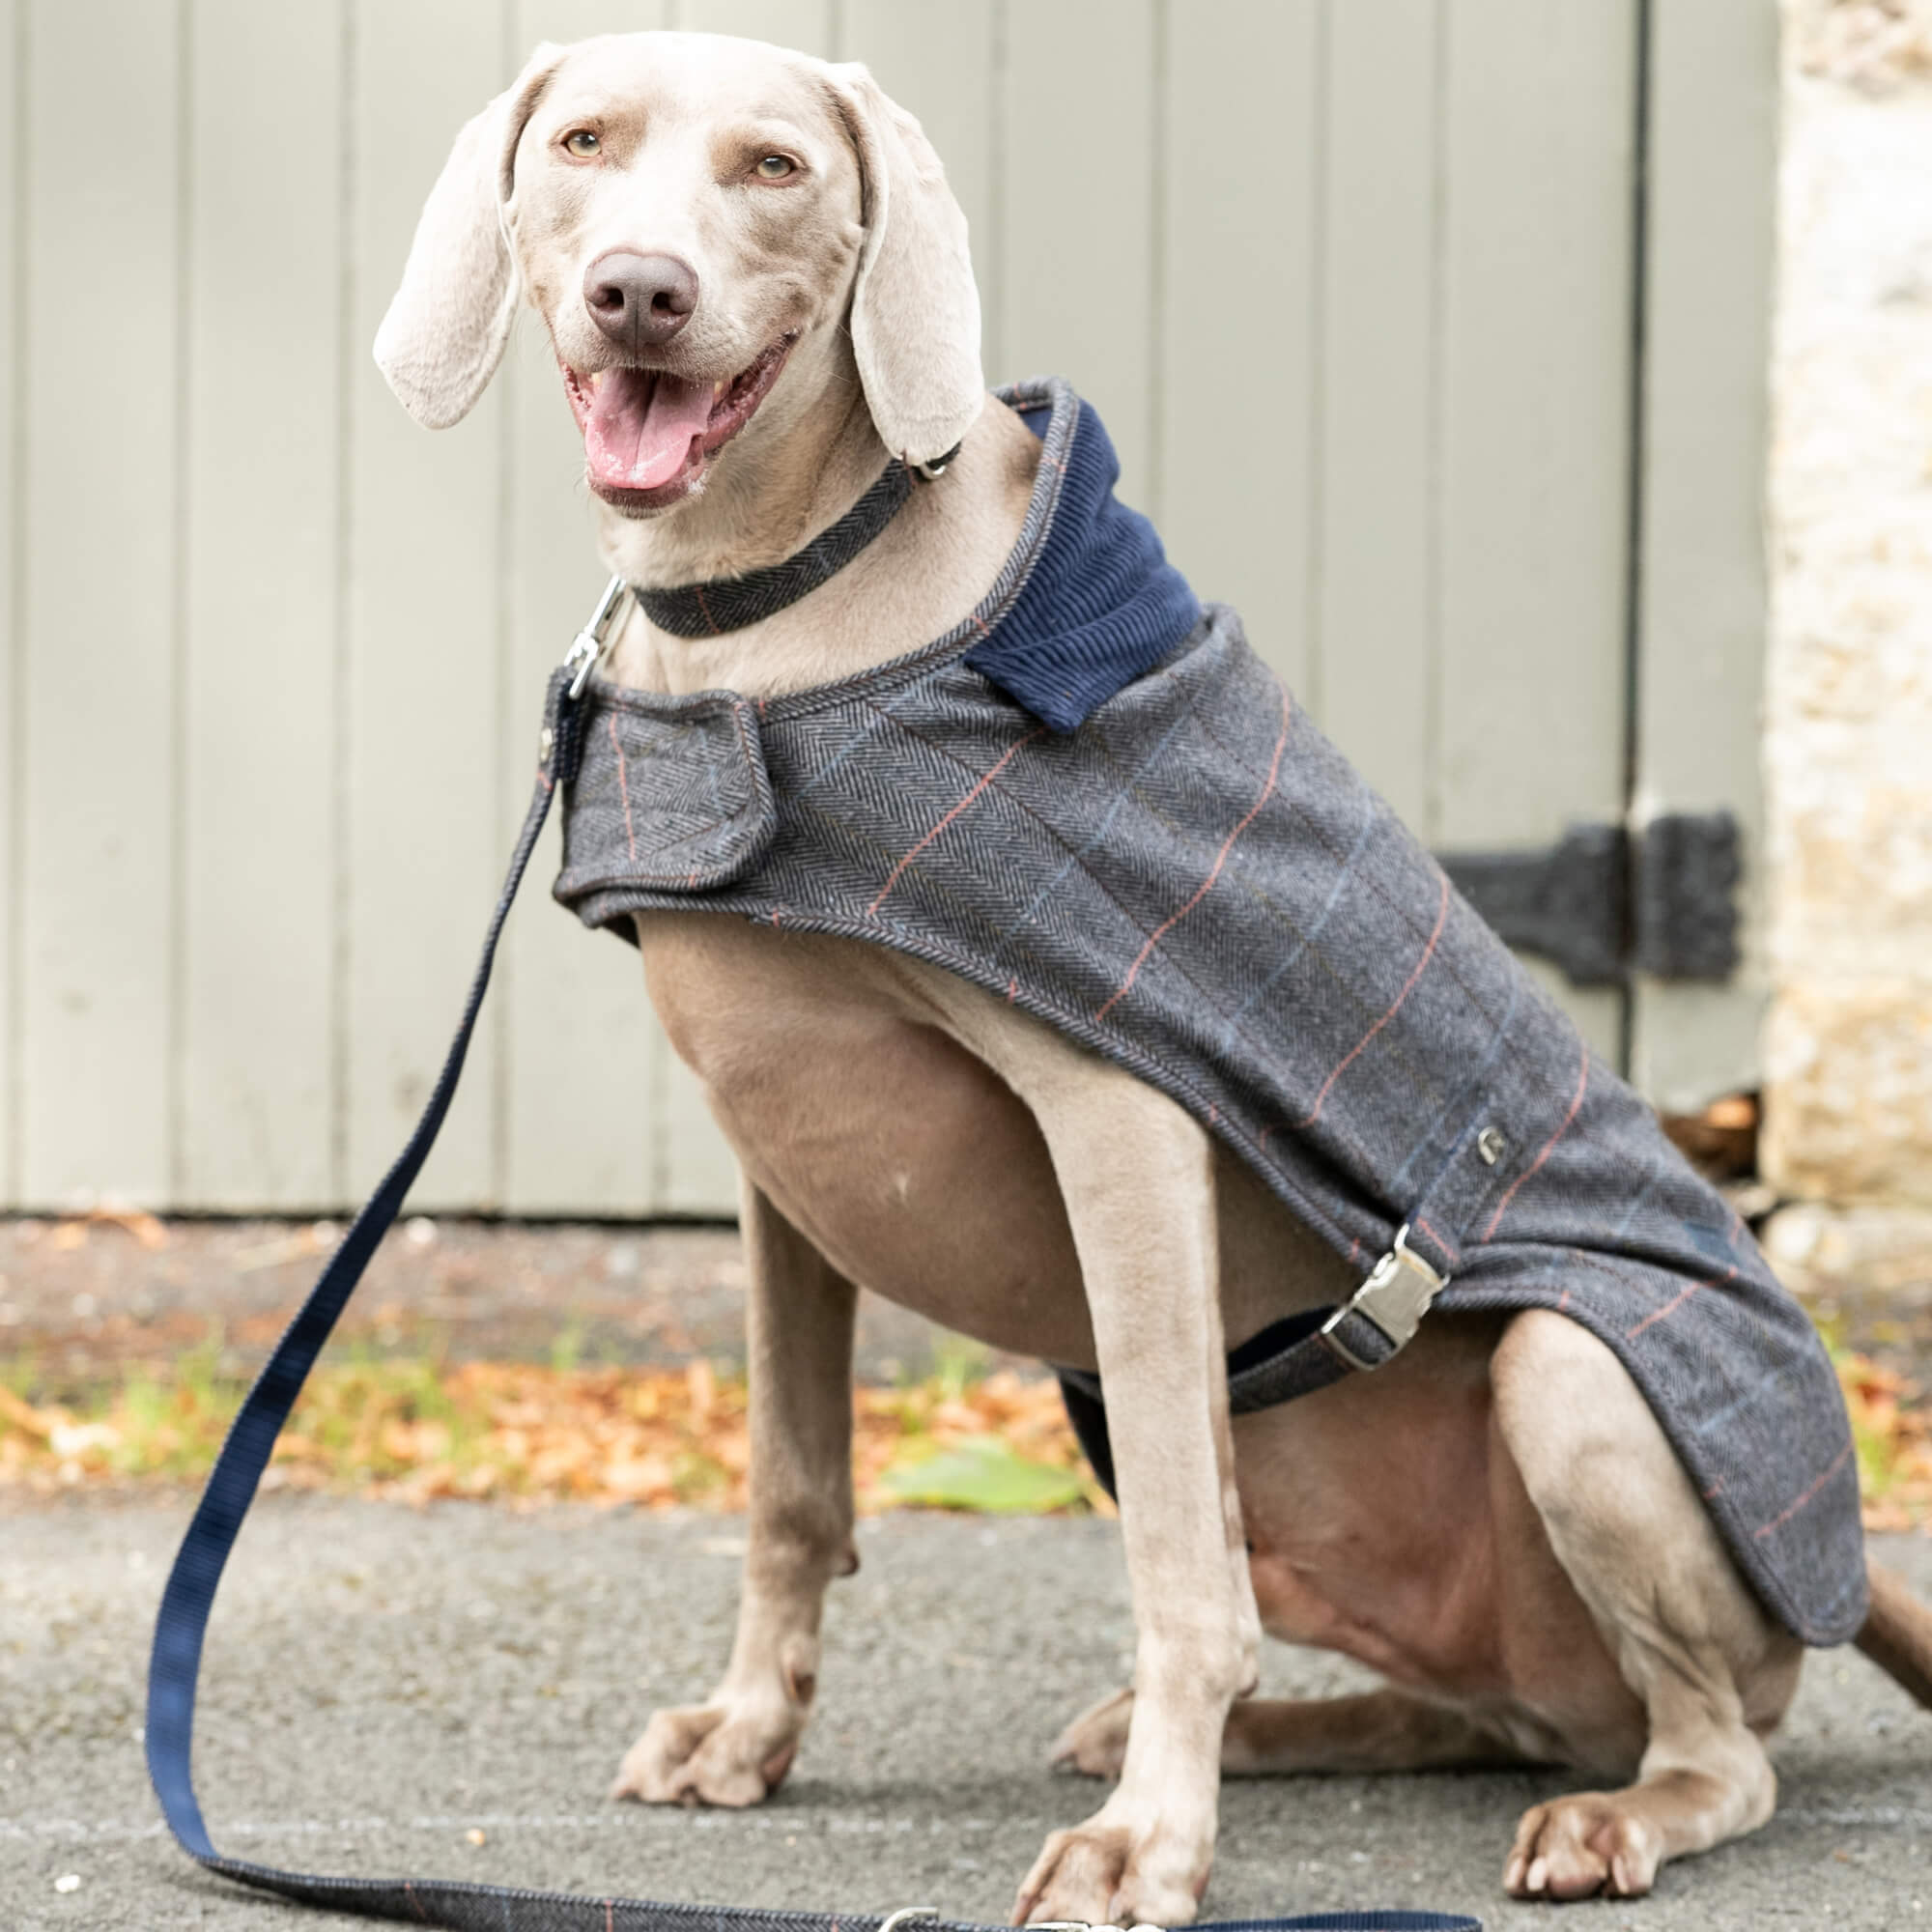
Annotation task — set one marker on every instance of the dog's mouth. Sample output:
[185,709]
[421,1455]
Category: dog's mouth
[648,434]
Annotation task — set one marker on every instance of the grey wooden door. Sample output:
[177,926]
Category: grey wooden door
[1394,349]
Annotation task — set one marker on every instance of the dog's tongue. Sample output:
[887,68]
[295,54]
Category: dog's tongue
[640,427]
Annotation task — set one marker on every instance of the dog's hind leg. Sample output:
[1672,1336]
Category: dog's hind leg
[736,1747]
[1266,1737]
[1711,1670]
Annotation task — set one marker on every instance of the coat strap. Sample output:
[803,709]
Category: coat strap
[1300,1355]
[1370,1330]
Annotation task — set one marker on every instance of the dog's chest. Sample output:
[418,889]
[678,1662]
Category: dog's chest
[904,1159]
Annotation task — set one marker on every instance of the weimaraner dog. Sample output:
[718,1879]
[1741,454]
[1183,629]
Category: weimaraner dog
[757,287]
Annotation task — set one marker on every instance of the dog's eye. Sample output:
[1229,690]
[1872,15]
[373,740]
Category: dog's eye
[775,167]
[581,143]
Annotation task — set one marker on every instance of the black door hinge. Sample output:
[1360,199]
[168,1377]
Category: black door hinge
[1600,902]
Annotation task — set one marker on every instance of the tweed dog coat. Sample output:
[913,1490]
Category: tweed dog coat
[1092,799]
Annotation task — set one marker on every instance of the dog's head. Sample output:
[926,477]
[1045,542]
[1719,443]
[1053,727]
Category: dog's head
[697,219]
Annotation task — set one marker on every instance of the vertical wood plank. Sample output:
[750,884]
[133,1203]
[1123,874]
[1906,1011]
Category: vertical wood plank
[1077,277]
[13,658]
[693,1170]
[1242,166]
[937,63]
[261,422]
[423,793]
[568,20]
[1711,171]
[1371,681]
[804,24]
[580,1048]
[1537,369]
[599,1118]
[101,428]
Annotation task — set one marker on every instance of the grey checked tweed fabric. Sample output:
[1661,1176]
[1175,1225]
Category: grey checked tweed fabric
[1197,886]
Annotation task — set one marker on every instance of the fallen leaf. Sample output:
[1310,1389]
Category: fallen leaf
[985,1473]
[22,1414]
[148,1230]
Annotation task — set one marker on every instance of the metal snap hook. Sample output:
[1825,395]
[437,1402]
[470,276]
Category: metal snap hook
[589,643]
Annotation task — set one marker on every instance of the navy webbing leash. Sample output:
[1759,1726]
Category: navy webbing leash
[189,1597]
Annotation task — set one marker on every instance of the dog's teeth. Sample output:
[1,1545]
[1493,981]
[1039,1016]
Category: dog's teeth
[717,389]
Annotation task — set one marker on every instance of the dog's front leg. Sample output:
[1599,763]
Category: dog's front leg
[1137,1176]
[736,1747]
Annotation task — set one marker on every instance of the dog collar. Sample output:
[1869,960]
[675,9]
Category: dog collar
[730,603]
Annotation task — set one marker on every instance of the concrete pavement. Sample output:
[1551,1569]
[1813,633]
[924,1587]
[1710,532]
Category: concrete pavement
[382,1683]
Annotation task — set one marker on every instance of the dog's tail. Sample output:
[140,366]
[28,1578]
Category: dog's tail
[1897,1635]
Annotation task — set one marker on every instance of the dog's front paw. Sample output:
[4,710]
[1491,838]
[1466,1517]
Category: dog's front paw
[1095,1743]
[711,1755]
[1111,1871]
[1579,1846]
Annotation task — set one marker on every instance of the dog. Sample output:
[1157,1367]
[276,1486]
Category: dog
[759,295]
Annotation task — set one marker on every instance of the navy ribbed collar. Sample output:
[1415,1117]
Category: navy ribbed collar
[1101,605]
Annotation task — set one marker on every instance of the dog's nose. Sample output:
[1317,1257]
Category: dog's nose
[639,300]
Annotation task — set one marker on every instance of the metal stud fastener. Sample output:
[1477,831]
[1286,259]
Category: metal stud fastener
[1492,1146]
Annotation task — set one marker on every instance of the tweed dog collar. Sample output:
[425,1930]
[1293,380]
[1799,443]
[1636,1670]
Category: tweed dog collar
[730,603]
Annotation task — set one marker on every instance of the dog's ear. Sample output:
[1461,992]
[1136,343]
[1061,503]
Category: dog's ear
[914,306]
[448,321]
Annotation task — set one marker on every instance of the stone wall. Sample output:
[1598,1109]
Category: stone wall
[1848,1054]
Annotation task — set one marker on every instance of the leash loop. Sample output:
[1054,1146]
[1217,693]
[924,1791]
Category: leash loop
[182,1624]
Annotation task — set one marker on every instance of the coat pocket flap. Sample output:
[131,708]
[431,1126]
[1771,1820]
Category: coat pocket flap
[672,793]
